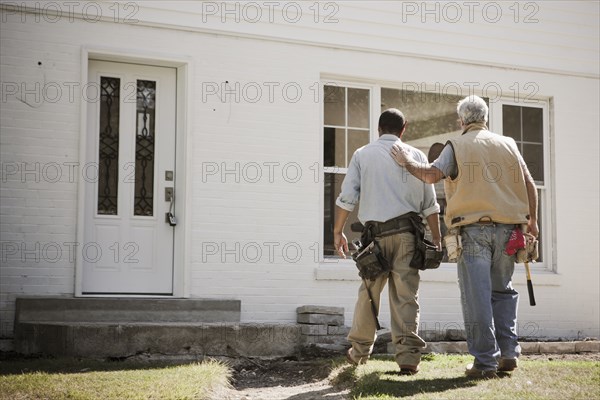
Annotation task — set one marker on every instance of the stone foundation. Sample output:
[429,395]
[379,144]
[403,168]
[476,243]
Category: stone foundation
[323,327]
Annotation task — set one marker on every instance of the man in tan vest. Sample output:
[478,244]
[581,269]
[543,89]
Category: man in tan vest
[489,192]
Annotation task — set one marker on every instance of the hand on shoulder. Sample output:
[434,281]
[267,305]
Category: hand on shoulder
[401,154]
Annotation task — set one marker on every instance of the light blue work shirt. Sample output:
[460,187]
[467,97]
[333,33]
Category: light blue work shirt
[385,189]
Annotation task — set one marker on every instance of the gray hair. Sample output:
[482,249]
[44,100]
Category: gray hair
[472,109]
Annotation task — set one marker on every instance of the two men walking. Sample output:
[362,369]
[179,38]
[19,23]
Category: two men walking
[481,211]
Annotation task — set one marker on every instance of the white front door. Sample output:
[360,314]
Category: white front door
[129,180]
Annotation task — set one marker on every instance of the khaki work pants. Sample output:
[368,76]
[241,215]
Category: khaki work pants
[403,282]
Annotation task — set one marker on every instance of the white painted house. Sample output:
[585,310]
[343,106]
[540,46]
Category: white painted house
[239,118]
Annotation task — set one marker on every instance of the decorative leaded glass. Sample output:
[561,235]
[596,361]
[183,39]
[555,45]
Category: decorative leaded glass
[108,153]
[144,148]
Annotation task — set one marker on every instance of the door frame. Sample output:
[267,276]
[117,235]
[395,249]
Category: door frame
[183,158]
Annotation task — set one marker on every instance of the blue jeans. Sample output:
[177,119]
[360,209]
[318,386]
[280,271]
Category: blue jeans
[489,302]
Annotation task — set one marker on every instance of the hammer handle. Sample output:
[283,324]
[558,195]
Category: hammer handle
[529,285]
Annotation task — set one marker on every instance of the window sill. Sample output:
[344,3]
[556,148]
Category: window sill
[345,270]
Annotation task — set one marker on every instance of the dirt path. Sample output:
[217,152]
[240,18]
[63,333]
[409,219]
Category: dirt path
[285,379]
[308,379]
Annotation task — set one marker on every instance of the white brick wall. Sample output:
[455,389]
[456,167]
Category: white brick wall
[438,29]
[224,211]
[37,209]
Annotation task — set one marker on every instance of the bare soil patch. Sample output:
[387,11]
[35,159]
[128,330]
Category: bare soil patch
[309,379]
[284,379]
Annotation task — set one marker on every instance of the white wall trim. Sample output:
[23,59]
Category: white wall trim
[24,7]
[80,230]
[183,200]
[345,270]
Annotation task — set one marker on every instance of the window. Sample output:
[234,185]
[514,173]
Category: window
[346,128]
[431,119]
[526,126]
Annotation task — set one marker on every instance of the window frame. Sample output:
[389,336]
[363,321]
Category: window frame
[546,197]
[373,135]
[545,192]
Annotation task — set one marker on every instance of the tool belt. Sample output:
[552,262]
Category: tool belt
[369,258]
[390,227]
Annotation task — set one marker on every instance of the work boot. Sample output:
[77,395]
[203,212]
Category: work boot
[507,364]
[409,369]
[472,372]
[354,361]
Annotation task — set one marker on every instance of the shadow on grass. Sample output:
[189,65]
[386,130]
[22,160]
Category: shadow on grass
[387,383]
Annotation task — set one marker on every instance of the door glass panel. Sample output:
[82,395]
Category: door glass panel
[108,149]
[144,148]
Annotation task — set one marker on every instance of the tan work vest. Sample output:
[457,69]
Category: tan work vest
[490,184]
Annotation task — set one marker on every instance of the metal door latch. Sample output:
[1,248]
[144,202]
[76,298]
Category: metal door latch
[170,216]
[171,219]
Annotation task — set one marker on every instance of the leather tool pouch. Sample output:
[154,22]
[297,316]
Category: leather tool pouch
[426,255]
[530,252]
[370,261]
[453,243]
[522,245]
[430,254]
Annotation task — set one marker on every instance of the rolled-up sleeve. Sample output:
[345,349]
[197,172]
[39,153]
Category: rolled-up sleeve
[430,203]
[350,193]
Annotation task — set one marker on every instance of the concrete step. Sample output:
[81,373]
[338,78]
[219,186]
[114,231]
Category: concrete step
[102,340]
[125,310]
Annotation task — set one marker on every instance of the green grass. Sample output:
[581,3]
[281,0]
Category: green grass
[442,377]
[73,379]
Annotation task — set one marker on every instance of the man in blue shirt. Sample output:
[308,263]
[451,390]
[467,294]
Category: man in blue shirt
[387,191]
